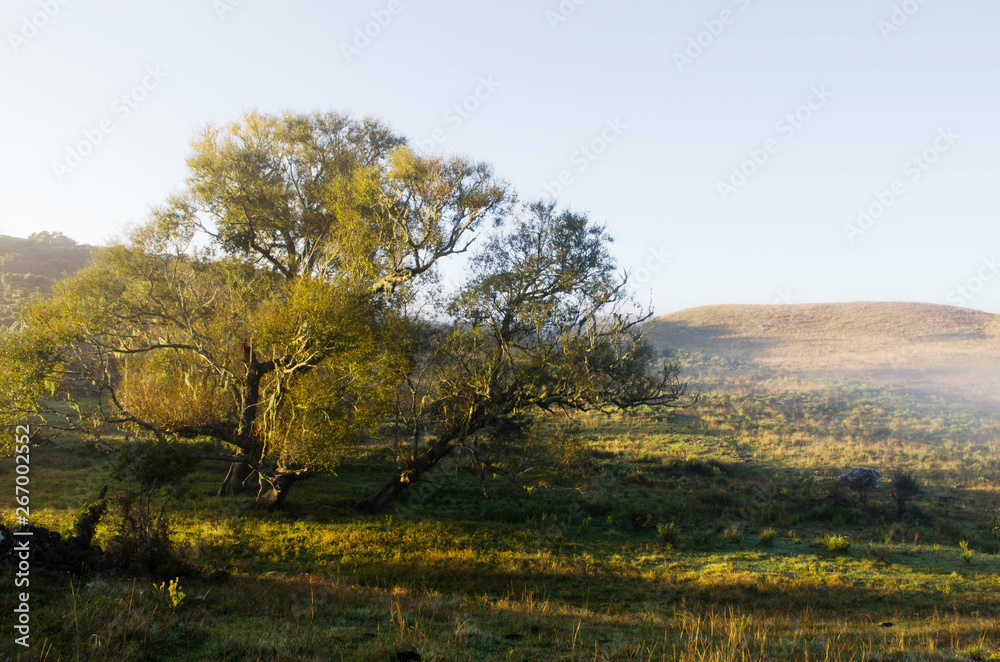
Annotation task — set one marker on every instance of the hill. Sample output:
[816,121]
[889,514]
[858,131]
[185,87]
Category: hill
[28,267]
[926,348]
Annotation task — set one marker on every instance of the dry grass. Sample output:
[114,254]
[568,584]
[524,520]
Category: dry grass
[927,348]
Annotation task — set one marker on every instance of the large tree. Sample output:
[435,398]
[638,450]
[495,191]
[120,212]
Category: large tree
[279,304]
[545,323]
[260,306]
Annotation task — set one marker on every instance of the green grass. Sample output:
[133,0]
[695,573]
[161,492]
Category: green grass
[716,532]
[548,575]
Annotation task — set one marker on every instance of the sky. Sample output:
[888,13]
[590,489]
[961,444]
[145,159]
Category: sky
[740,151]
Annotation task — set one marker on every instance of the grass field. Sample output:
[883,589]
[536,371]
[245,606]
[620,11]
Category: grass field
[716,532]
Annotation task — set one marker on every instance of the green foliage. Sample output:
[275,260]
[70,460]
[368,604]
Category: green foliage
[153,464]
[701,537]
[904,488]
[544,324]
[966,551]
[667,533]
[837,544]
[265,304]
[766,537]
[640,520]
[142,542]
[173,591]
[85,524]
[732,534]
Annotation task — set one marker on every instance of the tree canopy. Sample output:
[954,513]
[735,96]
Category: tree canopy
[544,323]
[269,306]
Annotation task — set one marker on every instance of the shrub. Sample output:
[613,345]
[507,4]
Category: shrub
[640,519]
[85,524]
[702,537]
[732,534]
[838,544]
[966,552]
[141,543]
[173,590]
[766,538]
[667,533]
[905,487]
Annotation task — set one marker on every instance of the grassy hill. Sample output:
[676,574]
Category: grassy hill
[929,349]
[29,266]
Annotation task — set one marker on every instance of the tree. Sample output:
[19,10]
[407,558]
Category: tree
[260,306]
[544,324]
[862,480]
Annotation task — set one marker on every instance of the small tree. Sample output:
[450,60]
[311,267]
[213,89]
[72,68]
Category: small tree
[862,480]
[142,542]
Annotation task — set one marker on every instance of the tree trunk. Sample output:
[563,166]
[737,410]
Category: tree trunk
[280,487]
[239,480]
[379,501]
[241,477]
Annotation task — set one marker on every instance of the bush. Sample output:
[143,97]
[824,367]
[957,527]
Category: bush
[837,544]
[141,543]
[905,487]
[667,533]
[702,537]
[766,538]
[966,552]
[732,534]
[640,519]
[85,524]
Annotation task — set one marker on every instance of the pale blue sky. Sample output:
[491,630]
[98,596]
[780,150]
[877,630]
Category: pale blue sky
[670,136]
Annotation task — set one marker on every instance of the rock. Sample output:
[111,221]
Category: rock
[47,550]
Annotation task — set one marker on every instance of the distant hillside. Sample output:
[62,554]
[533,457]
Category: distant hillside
[28,267]
[931,348]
